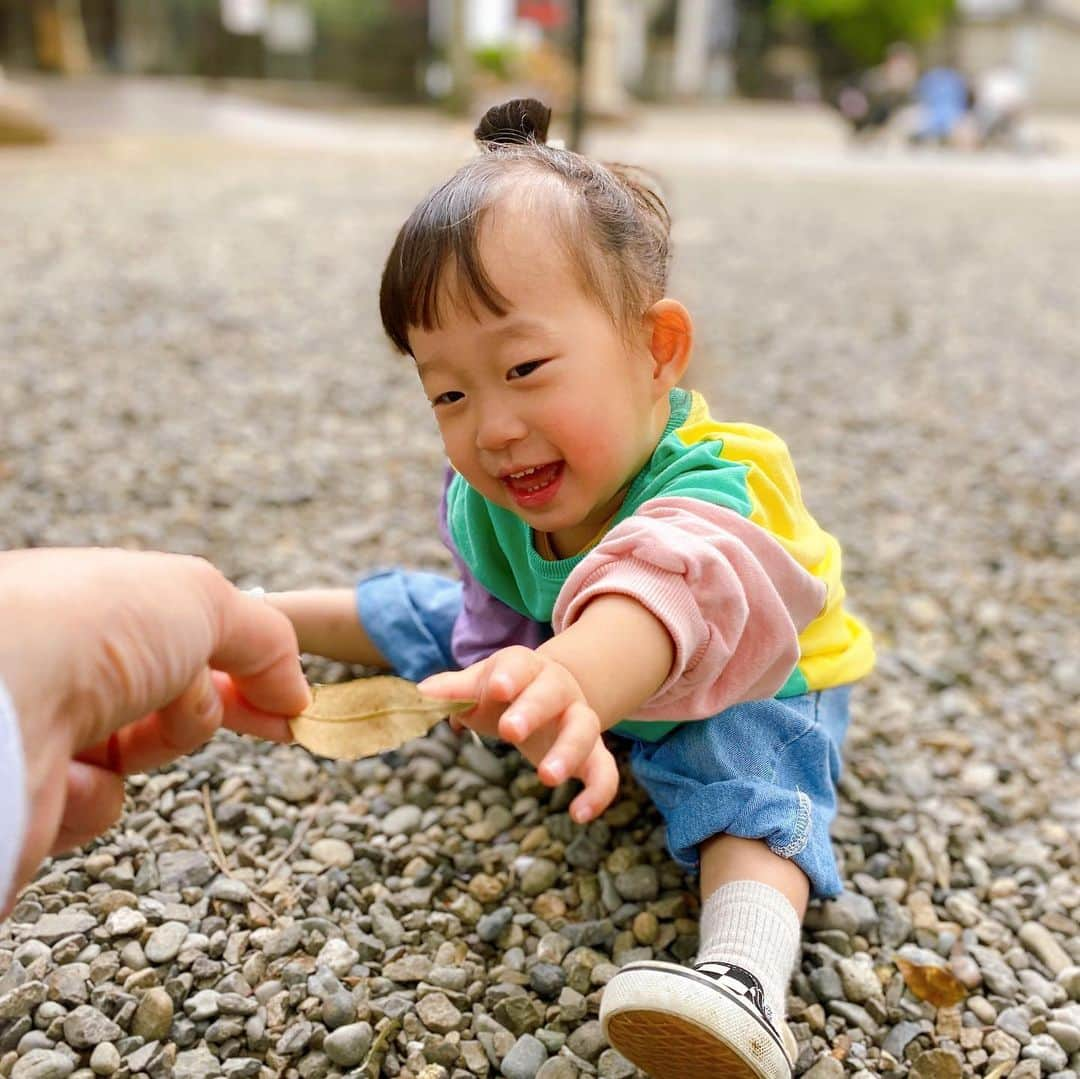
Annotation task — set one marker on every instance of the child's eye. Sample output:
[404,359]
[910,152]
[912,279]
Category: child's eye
[523,370]
[447,398]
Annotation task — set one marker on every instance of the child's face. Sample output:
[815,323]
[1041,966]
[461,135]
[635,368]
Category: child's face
[548,411]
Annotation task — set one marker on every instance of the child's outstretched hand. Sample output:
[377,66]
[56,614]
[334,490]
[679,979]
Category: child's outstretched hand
[533,701]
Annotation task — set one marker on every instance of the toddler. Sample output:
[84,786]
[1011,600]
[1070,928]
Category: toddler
[628,564]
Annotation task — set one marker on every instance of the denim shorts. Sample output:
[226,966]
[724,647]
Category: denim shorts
[760,770]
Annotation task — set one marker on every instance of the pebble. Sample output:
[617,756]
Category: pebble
[347,1046]
[558,1068]
[828,1067]
[125,922]
[525,1058]
[1069,979]
[1066,1035]
[490,927]
[1047,1052]
[43,1064]
[86,1027]
[154,1015]
[540,875]
[332,852]
[858,979]
[613,1065]
[438,1014]
[180,869]
[165,942]
[53,927]
[228,890]
[105,1059]
[197,1063]
[401,821]
[937,1064]
[638,884]
[587,1041]
[1042,943]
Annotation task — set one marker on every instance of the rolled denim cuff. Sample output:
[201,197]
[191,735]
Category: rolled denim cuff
[410,619]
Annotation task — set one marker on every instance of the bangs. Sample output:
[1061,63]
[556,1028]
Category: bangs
[435,259]
[612,228]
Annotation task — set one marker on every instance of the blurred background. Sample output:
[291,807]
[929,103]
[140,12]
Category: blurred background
[967,73]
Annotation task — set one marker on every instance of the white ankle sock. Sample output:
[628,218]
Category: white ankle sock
[754,926]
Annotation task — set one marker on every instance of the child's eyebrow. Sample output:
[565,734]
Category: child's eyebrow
[508,329]
[511,328]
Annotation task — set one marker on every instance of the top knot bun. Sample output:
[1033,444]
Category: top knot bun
[514,123]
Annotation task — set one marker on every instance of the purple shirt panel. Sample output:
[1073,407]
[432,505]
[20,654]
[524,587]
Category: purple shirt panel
[485,623]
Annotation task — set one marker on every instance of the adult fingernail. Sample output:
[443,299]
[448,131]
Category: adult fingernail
[209,703]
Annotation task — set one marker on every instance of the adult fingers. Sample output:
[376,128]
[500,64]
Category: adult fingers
[160,737]
[579,731]
[240,716]
[94,799]
[601,778]
[256,644]
[210,702]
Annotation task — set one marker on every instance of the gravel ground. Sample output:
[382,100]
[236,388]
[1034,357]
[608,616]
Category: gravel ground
[190,359]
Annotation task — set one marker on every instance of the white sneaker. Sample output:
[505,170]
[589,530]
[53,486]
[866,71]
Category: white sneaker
[704,1022]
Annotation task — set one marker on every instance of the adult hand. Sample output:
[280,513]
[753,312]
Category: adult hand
[121,661]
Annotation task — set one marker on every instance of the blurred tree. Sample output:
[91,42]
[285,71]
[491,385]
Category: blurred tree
[60,36]
[354,13]
[864,29]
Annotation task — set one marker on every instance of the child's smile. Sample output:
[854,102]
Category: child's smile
[534,487]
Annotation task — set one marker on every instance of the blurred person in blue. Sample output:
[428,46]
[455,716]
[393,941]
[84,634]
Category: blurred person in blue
[944,100]
[114,662]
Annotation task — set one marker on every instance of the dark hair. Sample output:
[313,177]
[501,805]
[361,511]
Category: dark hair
[625,267]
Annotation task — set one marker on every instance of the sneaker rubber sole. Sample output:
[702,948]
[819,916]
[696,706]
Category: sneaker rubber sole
[674,1023]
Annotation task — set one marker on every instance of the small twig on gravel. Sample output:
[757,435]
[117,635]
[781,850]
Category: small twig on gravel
[219,853]
[298,836]
[373,1060]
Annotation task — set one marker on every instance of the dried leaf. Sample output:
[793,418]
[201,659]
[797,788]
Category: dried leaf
[357,719]
[937,984]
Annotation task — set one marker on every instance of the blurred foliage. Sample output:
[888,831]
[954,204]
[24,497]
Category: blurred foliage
[864,29]
[356,13]
[497,60]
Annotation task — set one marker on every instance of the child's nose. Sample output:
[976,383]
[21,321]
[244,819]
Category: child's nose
[498,427]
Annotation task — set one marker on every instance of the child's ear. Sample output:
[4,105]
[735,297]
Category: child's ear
[669,333]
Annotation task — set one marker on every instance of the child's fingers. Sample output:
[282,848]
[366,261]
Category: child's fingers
[509,672]
[454,685]
[578,734]
[601,778]
[542,701]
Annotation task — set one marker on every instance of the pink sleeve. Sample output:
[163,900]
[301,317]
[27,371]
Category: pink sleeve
[733,600]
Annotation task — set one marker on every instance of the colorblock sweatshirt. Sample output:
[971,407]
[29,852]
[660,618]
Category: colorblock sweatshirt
[713,538]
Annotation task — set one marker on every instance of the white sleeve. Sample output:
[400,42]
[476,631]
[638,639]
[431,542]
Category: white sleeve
[12,793]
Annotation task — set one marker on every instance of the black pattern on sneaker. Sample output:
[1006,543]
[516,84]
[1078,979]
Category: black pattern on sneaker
[740,982]
[705,1022]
